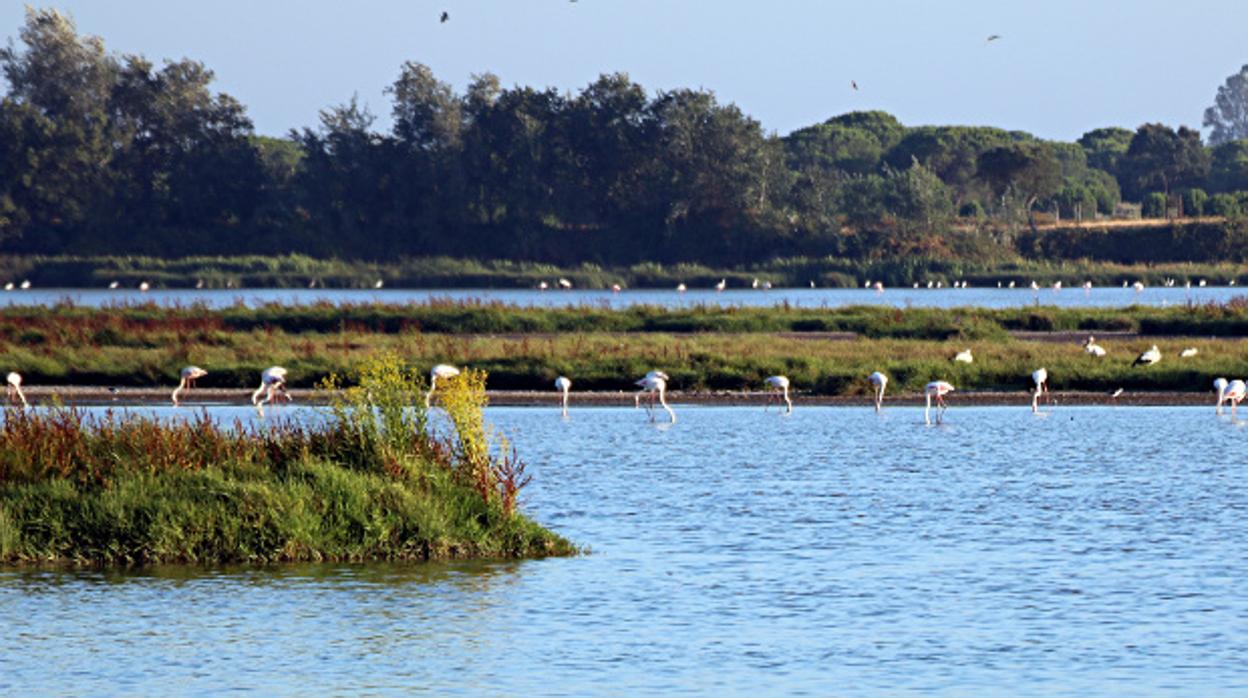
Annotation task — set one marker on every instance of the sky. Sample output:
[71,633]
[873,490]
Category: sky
[1060,68]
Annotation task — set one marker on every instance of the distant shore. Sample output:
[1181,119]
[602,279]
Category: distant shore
[213,397]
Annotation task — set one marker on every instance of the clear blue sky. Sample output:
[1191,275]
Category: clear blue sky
[1062,67]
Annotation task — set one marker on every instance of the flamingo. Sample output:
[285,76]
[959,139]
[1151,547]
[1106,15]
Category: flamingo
[878,286]
[1148,358]
[650,374]
[113,284]
[938,390]
[1188,353]
[542,286]
[1138,286]
[615,288]
[681,288]
[723,284]
[8,286]
[654,383]
[15,389]
[779,383]
[1219,386]
[964,356]
[272,380]
[879,381]
[25,285]
[144,287]
[1011,284]
[564,283]
[755,284]
[1234,394]
[563,384]
[1057,285]
[1041,378]
[766,285]
[443,371]
[379,283]
[189,375]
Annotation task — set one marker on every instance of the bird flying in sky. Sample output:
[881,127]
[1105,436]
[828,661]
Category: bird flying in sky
[994,37]
[445,16]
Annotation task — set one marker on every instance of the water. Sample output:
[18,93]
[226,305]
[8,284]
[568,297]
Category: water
[1088,551]
[798,297]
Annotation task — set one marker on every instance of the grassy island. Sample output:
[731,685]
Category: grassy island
[369,482]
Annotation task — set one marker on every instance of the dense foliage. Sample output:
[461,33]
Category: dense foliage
[102,153]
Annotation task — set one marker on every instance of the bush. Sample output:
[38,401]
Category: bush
[1194,201]
[1154,205]
[1226,205]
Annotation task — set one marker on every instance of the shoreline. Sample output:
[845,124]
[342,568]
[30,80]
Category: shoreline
[102,396]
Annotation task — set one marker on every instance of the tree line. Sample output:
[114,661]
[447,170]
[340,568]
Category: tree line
[101,153]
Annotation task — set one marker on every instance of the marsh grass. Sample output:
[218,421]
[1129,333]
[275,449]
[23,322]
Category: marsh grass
[368,482]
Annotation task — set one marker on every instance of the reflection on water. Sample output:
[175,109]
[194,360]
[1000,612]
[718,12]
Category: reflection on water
[798,297]
[1085,551]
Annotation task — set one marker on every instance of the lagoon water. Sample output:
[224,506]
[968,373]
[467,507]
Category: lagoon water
[797,297]
[1087,551]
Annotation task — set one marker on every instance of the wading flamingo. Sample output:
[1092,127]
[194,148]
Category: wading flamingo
[778,384]
[1041,378]
[14,392]
[879,381]
[189,375]
[272,381]
[443,371]
[651,374]
[563,384]
[1219,386]
[1234,394]
[938,390]
[654,384]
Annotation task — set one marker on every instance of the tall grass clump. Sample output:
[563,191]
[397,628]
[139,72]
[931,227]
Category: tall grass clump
[367,482]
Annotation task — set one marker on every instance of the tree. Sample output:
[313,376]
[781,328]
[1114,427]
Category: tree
[1031,170]
[884,126]
[1229,168]
[834,147]
[1228,117]
[1160,157]
[1105,146]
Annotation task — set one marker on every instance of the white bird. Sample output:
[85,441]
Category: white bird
[144,287]
[114,284]
[1138,286]
[563,384]
[879,286]
[680,288]
[443,371]
[1188,352]
[755,284]
[940,284]
[272,381]
[812,284]
[199,283]
[1087,286]
[1057,285]
[655,383]
[564,283]
[1116,393]
[1035,286]
[8,286]
[778,383]
[1011,284]
[867,284]
[1235,394]
[1202,283]
[1219,386]
[1091,347]
[879,381]
[189,375]
[649,374]
[723,283]
[379,283]
[964,356]
[938,390]
[542,286]
[25,285]
[1041,378]
[929,284]
[14,391]
[766,285]
[615,288]
[916,284]
[1148,358]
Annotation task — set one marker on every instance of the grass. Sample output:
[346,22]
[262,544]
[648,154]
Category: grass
[701,348]
[300,271]
[369,483]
